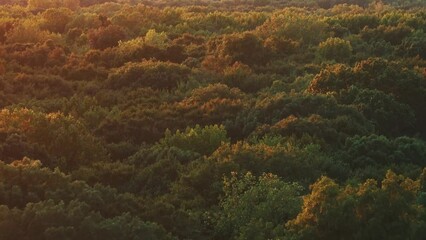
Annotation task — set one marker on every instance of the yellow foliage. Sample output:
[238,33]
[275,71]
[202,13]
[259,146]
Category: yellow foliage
[29,32]
[156,39]
[45,4]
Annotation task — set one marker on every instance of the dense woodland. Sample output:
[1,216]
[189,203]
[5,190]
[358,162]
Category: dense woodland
[232,119]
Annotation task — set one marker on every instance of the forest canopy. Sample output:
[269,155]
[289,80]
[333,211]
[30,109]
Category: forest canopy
[230,119]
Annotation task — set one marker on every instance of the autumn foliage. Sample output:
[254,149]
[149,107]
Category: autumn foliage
[212,120]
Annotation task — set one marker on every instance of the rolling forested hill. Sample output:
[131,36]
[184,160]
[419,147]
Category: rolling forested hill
[212,120]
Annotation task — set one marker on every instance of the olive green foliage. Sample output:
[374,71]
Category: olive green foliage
[202,140]
[256,208]
[60,140]
[51,205]
[56,19]
[148,74]
[335,49]
[212,120]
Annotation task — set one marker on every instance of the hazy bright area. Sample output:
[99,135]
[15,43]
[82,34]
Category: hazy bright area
[212,120]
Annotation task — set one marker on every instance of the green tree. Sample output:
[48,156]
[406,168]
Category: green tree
[65,140]
[254,208]
[390,117]
[246,48]
[336,49]
[294,24]
[154,74]
[156,39]
[202,140]
[414,45]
